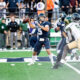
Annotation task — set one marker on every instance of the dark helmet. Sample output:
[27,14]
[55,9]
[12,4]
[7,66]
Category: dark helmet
[75,16]
[69,18]
[41,15]
[63,16]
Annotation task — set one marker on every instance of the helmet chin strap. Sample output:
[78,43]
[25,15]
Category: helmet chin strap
[42,20]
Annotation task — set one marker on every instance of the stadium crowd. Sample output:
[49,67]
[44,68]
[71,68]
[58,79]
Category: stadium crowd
[25,9]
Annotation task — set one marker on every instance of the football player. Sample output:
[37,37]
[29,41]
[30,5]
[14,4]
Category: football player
[60,27]
[74,29]
[43,33]
[33,35]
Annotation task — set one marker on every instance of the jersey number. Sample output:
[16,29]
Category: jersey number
[39,31]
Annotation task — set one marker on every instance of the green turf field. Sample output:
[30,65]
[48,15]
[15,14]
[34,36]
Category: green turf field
[21,71]
[22,54]
[77,65]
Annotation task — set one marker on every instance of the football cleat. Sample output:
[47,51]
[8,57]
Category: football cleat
[31,63]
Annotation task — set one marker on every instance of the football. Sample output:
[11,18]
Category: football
[26,20]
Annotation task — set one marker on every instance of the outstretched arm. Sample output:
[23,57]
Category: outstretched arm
[46,28]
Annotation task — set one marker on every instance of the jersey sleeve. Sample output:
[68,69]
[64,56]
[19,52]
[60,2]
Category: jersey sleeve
[46,24]
[58,24]
[62,27]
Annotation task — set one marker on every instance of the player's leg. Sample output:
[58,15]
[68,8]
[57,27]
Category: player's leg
[33,40]
[66,49]
[74,54]
[59,56]
[59,46]
[78,42]
[50,56]
[36,53]
[36,49]
[33,58]
[69,46]
[47,46]
[39,52]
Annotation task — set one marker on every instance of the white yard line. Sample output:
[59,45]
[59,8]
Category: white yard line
[72,67]
[18,50]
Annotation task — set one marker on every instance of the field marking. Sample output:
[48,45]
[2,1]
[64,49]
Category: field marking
[18,50]
[67,64]
[3,60]
[11,62]
[72,67]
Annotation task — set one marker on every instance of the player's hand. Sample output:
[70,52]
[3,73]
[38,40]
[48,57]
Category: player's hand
[67,40]
[62,6]
[36,22]
[39,25]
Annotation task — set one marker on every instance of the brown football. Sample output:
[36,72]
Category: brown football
[26,20]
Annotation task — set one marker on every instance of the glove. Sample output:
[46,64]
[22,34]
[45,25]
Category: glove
[67,40]
[36,22]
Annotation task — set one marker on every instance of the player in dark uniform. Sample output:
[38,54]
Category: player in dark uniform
[43,33]
[33,35]
[64,40]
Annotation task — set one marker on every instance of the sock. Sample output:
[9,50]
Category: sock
[51,58]
[32,49]
[33,58]
[36,57]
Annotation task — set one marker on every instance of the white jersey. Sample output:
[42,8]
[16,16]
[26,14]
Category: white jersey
[74,30]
